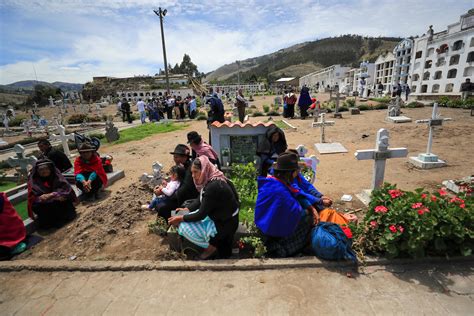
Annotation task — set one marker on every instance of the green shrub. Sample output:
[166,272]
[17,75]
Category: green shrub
[257,113]
[364,107]
[201,116]
[382,100]
[415,104]
[266,108]
[402,223]
[77,118]
[381,106]
[97,135]
[273,113]
[17,121]
[443,101]
[343,109]
[350,103]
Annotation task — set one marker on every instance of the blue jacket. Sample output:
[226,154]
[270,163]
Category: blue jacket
[277,212]
[308,191]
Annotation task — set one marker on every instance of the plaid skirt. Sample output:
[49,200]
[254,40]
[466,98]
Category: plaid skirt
[199,233]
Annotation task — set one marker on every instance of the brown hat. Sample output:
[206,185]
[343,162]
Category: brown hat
[182,150]
[287,161]
[86,147]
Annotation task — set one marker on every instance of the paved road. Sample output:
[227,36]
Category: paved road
[442,290]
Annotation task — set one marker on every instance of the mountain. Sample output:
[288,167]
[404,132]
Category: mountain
[304,58]
[29,85]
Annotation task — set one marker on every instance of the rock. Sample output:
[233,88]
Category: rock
[112,231]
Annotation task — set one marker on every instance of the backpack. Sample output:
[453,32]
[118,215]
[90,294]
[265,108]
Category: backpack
[330,243]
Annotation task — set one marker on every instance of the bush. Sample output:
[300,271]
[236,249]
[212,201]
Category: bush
[17,121]
[273,113]
[343,109]
[400,223]
[350,103]
[415,104]
[445,101]
[97,135]
[244,177]
[364,107]
[201,117]
[382,100]
[381,106]
[77,118]
[266,108]
[257,113]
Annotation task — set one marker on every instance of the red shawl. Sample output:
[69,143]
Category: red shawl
[93,165]
[204,149]
[208,172]
[12,230]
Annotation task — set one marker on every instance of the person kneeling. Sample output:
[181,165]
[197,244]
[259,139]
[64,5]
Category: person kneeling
[89,172]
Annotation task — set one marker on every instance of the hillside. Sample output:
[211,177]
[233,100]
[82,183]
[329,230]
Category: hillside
[30,85]
[304,58]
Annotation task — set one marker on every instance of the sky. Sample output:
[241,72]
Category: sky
[74,40]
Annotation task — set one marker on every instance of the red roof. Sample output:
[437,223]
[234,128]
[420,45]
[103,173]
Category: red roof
[242,125]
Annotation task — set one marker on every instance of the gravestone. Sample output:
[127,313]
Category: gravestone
[429,160]
[310,163]
[354,111]
[51,101]
[327,148]
[26,124]
[152,180]
[111,132]
[2,142]
[380,154]
[278,101]
[393,112]
[20,160]
[63,138]
[6,122]
[336,112]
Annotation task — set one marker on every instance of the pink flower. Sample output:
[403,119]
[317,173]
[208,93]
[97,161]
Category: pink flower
[373,224]
[381,209]
[423,196]
[442,192]
[394,193]
[400,228]
[393,228]
[456,199]
[433,198]
[462,205]
[422,211]
[416,205]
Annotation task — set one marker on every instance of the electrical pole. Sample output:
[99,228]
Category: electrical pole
[238,72]
[161,13]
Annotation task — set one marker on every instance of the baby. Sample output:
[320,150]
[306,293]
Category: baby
[166,189]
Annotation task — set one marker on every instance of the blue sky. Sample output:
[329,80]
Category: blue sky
[73,40]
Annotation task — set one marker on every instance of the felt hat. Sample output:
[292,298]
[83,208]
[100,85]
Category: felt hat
[193,137]
[86,147]
[182,150]
[286,161]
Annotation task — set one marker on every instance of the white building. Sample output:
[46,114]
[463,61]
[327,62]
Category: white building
[442,61]
[384,71]
[135,95]
[329,76]
[403,58]
[232,88]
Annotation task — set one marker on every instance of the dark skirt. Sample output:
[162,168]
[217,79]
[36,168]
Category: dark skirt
[54,214]
[225,236]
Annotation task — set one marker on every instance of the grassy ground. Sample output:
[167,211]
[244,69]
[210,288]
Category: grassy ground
[22,209]
[281,125]
[4,186]
[145,130]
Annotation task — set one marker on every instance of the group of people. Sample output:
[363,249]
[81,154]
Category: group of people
[290,100]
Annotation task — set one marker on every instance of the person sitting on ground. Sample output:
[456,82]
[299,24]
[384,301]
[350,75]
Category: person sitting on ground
[201,148]
[187,189]
[268,150]
[89,172]
[214,216]
[167,189]
[50,197]
[60,160]
[12,230]
[283,216]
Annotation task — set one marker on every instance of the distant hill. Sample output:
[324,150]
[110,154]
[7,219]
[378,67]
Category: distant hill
[29,85]
[304,58]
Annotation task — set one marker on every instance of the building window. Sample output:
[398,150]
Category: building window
[468,71]
[449,87]
[441,61]
[452,73]
[458,45]
[454,60]
[413,88]
[424,88]
[430,52]
[442,49]
[418,54]
[408,51]
[426,76]
[470,57]
[428,63]
[472,42]
[437,75]
[435,88]
[415,77]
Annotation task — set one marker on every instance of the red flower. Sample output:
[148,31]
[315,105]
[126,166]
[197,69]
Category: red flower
[433,198]
[347,231]
[416,205]
[442,192]
[462,205]
[394,193]
[423,196]
[241,245]
[381,209]
[393,228]
[400,228]
[422,211]
[373,224]
[456,199]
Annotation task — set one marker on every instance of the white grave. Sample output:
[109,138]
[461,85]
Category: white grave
[429,160]
[393,113]
[2,142]
[323,147]
[20,160]
[63,138]
[380,154]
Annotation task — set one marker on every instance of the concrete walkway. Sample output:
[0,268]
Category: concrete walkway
[391,290]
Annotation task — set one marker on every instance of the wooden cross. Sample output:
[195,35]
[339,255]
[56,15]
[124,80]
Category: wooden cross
[380,154]
[322,124]
[63,138]
[435,120]
[21,160]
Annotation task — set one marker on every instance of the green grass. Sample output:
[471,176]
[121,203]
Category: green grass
[145,130]
[22,209]
[280,124]
[4,186]
[247,208]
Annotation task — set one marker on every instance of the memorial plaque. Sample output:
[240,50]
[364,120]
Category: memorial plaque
[243,148]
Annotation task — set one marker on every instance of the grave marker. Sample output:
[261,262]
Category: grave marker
[63,137]
[393,112]
[111,132]
[429,160]
[336,112]
[323,147]
[20,160]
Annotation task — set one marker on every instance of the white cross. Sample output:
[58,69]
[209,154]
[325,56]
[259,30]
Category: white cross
[322,124]
[20,160]
[63,138]
[380,154]
[435,120]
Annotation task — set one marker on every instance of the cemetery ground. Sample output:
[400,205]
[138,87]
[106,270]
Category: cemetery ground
[115,228]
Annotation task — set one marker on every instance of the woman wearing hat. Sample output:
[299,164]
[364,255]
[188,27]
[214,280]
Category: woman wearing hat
[214,216]
[201,148]
[282,214]
[50,197]
[89,172]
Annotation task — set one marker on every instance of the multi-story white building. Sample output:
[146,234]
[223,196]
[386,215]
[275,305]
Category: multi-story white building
[403,58]
[384,71]
[321,79]
[444,60]
[232,88]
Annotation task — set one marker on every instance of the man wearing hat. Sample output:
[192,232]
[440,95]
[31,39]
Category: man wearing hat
[187,189]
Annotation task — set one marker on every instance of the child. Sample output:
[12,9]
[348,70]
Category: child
[166,190]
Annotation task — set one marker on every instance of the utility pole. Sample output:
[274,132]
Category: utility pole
[238,72]
[161,13]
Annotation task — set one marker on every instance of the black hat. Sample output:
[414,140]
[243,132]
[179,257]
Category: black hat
[287,161]
[194,137]
[182,150]
[86,147]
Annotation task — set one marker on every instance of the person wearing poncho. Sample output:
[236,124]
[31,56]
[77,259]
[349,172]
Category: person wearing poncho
[269,148]
[50,197]
[89,172]
[12,230]
[282,214]
[214,216]
[304,102]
